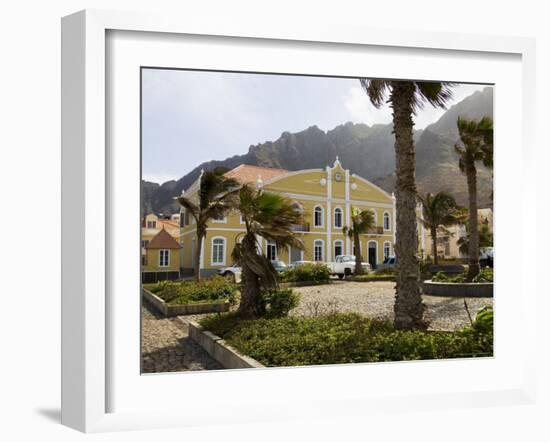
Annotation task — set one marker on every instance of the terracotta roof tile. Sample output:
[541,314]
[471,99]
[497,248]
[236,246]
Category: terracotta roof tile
[163,240]
[247,174]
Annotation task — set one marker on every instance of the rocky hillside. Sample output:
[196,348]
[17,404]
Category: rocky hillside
[366,150]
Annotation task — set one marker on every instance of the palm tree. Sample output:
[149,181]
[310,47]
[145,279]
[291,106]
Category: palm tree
[406,98]
[440,211]
[361,222]
[476,145]
[217,195]
[270,216]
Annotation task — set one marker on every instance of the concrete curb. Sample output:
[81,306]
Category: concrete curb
[380,279]
[184,309]
[218,349]
[458,289]
[302,284]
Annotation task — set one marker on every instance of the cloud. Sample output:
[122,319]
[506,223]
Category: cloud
[361,110]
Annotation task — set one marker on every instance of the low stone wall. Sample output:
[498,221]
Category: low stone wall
[218,349]
[184,309]
[380,278]
[458,289]
[302,283]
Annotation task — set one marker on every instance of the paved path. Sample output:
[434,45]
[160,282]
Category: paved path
[376,299]
[166,347]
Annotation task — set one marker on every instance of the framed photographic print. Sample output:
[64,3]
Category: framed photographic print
[291,223]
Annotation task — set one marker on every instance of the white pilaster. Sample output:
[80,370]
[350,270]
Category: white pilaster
[328,248]
[348,213]
[394,220]
[202,254]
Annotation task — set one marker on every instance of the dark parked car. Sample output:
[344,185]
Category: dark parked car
[280,266]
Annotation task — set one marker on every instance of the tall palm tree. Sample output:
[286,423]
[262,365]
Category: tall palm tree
[270,216]
[361,222]
[476,145]
[216,196]
[406,98]
[440,211]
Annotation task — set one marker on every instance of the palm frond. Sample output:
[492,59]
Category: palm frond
[376,90]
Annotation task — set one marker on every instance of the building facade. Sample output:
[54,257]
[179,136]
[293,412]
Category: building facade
[324,196]
[161,258]
[447,238]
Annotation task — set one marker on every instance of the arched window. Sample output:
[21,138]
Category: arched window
[218,251]
[338,217]
[387,250]
[338,248]
[318,246]
[318,216]
[387,222]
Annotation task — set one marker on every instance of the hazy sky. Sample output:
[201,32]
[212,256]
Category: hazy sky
[190,117]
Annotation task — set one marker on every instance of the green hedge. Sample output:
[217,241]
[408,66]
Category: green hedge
[343,338]
[215,289]
[307,272]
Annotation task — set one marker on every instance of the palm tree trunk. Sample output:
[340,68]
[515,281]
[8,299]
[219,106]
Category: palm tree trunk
[250,306]
[473,246]
[358,257]
[197,258]
[433,232]
[408,307]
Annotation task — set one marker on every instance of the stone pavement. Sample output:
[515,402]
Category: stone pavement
[166,347]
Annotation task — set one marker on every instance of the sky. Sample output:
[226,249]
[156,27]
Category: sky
[189,117]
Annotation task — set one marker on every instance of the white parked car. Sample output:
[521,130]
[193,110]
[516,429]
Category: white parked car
[345,265]
[233,272]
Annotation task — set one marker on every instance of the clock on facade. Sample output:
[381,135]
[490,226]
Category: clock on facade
[338,176]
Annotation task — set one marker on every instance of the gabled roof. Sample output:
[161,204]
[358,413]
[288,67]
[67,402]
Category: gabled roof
[247,174]
[163,240]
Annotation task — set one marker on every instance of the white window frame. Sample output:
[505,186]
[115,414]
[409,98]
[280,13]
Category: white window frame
[269,244]
[220,221]
[224,243]
[341,243]
[388,244]
[387,216]
[167,252]
[241,219]
[338,209]
[315,217]
[322,244]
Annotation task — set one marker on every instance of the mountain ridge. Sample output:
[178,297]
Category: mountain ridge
[367,151]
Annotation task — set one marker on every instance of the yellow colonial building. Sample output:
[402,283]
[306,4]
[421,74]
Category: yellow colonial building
[324,196]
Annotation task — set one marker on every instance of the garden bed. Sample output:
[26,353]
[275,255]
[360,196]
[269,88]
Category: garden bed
[172,298]
[218,349]
[441,284]
[341,338]
[170,310]
[303,283]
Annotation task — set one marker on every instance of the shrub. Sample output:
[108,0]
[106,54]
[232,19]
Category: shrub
[279,302]
[342,338]
[388,271]
[484,275]
[307,272]
[440,277]
[213,289]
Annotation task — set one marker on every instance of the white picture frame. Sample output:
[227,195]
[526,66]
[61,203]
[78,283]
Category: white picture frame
[87,207]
